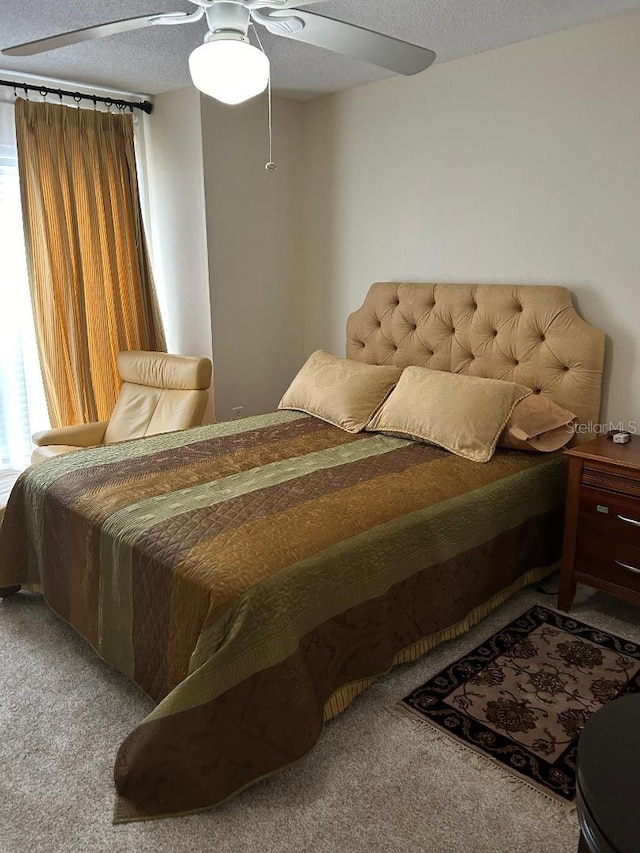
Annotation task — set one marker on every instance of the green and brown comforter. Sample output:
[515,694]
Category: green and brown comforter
[245,572]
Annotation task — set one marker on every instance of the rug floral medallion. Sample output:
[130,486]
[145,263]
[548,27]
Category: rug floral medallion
[523,696]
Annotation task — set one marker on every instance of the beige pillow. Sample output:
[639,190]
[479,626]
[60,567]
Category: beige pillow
[537,423]
[463,414]
[342,392]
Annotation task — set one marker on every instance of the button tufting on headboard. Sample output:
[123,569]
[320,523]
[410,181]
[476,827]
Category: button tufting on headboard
[526,333]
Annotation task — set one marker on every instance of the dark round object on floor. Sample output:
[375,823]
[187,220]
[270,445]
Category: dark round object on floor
[6,591]
[608,779]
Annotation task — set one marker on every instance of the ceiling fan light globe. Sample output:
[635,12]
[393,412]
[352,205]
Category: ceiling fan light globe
[229,70]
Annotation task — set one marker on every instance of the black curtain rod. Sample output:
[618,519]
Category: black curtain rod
[145,106]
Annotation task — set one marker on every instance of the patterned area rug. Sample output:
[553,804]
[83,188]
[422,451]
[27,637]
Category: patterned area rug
[523,696]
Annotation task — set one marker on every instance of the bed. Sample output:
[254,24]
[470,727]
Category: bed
[254,577]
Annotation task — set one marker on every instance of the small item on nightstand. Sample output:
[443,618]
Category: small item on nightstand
[619,436]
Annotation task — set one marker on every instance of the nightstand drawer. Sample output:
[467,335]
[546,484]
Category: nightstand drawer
[609,559]
[607,477]
[609,514]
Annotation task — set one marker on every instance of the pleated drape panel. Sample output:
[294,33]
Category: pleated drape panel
[91,283]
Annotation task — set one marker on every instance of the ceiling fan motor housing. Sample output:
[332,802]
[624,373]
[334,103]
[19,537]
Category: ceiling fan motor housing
[229,19]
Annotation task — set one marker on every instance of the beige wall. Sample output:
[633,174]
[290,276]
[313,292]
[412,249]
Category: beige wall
[254,234]
[177,223]
[517,165]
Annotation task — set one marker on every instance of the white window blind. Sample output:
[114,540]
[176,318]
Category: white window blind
[22,404]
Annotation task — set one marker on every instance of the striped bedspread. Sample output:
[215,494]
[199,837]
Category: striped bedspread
[243,574]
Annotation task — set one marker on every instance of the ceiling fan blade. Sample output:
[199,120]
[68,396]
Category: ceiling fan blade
[351,40]
[63,39]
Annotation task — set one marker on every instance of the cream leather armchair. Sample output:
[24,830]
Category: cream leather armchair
[159,393]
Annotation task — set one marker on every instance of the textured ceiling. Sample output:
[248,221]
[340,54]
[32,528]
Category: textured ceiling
[154,60]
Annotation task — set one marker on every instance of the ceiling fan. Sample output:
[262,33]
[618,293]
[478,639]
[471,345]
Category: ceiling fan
[228,67]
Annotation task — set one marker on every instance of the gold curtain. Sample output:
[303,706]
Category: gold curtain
[91,284]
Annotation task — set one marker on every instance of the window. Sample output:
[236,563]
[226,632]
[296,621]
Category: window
[22,404]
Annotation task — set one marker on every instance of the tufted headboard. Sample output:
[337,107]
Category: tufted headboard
[529,334]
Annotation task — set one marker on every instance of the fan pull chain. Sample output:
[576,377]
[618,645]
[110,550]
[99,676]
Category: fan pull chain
[270,166]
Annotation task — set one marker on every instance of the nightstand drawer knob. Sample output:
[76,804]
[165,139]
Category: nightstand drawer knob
[629,520]
[628,568]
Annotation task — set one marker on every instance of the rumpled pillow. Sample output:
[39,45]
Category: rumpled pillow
[463,414]
[340,391]
[538,424]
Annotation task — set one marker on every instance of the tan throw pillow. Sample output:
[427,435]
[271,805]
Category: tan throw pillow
[342,392]
[463,414]
[538,424]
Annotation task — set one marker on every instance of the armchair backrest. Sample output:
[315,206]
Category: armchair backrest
[159,393]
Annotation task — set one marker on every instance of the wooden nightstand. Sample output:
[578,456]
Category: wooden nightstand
[602,525]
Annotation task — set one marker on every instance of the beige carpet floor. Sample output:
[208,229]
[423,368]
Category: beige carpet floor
[377,782]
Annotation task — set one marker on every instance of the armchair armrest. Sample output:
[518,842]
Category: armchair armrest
[80,435]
